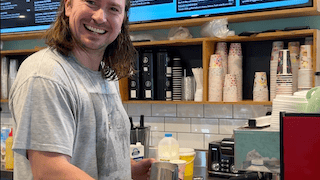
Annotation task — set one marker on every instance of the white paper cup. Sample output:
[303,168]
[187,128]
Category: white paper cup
[235,49]
[215,61]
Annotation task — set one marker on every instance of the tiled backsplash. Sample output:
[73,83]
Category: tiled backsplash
[193,125]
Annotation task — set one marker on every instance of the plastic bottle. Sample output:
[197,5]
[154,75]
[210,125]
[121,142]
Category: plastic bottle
[137,151]
[168,148]
[9,152]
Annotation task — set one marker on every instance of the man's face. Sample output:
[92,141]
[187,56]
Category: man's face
[95,23]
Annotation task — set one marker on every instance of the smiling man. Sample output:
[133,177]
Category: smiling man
[69,122]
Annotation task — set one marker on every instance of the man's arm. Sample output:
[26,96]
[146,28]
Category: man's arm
[49,165]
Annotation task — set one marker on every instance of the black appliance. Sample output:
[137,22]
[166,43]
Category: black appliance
[221,158]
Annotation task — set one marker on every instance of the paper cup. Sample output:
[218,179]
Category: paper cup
[261,95]
[215,84]
[182,167]
[215,61]
[235,49]
[260,81]
[222,49]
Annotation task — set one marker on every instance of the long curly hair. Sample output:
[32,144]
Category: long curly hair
[119,56]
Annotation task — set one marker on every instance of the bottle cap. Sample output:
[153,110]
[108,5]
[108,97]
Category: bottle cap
[10,134]
[168,135]
[138,143]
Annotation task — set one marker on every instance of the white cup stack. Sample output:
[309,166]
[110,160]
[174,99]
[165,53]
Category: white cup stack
[215,78]
[276,47]
[260,87]
[235,66]
[294,48]
[4,77]
[230,89]
[284,74]
[305,68]
[222,50]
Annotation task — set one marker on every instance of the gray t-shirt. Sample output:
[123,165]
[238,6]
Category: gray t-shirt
[59,105]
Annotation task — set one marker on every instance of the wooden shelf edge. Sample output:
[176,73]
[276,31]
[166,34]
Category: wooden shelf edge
[4,100]
[244,102]
[20,51]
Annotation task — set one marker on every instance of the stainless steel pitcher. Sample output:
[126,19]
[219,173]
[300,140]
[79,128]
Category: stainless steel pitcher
[164,171]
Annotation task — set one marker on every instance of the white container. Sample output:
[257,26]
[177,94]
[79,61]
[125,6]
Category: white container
[168,148]
[137,151]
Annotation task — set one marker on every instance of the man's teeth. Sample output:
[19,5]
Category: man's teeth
[100,31]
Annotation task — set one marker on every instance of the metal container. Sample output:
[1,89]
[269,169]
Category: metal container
[164,170]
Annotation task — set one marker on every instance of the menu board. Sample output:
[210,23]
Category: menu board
[34,15]
[151,10]
[27,15]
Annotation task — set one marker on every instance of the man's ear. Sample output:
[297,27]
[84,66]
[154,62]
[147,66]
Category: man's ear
[67,7]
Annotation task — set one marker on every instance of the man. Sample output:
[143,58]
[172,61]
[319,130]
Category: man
[69,122]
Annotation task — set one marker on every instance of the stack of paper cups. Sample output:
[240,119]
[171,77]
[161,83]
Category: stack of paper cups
[222,50]
[284,74]
[13,69]
[235,66]
[305,68]
[294,48]
[198,76]
[4,78]
[230,89]
[215,78]
[260,87]
[276,47]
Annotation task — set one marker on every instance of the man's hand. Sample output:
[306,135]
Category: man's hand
[141,170]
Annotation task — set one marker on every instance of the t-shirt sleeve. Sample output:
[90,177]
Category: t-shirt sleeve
[44,115]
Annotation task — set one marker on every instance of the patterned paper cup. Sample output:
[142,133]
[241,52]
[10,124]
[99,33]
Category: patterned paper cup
[215,61]
[260,81]
[305,78]
[235,49]
[222,49]
[215,84]
[261,95]
[284,62]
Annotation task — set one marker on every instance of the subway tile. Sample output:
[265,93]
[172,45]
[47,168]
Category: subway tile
[177,124]
[191,140]
[226,126]
[213,137]
[249,111]
[156,123]
[125,106]
[202,125]
[168,110]
[5,107]
[190,110]
[139,109]
[157,136]
[218,110]
[6,118]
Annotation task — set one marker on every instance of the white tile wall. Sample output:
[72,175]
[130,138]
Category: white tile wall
[177,124]
[202,125]
[226,126]
[190,110]
[191,140]
[193,125]
[218,110]
[138,109]
[168,110]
